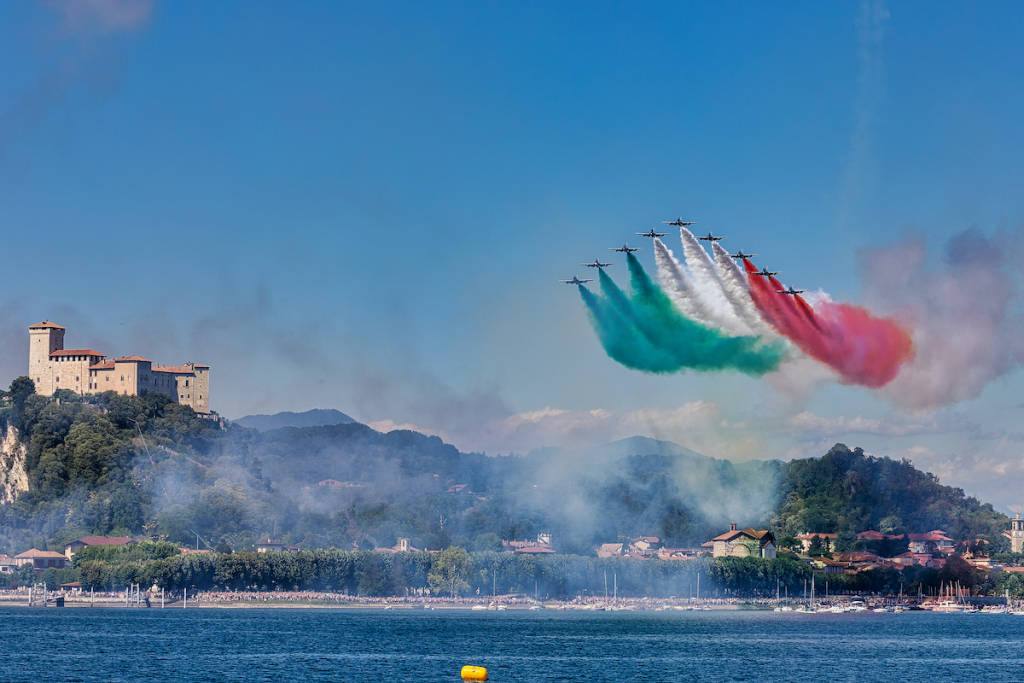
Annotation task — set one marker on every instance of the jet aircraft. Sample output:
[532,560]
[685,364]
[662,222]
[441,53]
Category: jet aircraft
[711,238]
[624,249]
[652,233]
[740,254]
[790,291]
[679,222]
[575,281]
[596,264]
[764,272]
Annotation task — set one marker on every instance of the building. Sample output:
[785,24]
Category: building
[1016,534]
[403,546]
[744,543]
[827,541]
[41,560]
[272,546]
[931,541]
[85,371]
[74,546]
[610,550]
[7,564]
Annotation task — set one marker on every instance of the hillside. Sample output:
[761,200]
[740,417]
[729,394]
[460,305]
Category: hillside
[121,465]
[318,417]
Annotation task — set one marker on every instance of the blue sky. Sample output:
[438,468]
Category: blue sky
[368,206]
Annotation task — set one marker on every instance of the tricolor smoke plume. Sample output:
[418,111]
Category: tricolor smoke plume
[709,287]
[860,347]
[644,331]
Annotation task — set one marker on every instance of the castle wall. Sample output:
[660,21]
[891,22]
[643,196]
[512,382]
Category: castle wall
[131,376]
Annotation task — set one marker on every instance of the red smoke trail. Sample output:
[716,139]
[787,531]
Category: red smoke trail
[863,349]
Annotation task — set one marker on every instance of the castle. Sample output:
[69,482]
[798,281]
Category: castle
[84,371]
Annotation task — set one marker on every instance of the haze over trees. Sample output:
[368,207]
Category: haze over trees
[150,468]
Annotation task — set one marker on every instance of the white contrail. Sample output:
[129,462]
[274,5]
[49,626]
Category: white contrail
[709,287]
[678,286]
[737,291]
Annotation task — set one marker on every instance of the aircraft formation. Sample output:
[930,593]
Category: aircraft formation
[679,222]
[719,311]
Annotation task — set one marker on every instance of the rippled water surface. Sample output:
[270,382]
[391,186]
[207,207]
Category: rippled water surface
[83,644]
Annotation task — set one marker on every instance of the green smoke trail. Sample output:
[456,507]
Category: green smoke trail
[622,341]
[646,332]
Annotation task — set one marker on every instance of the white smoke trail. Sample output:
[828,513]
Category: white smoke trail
[709,287]
[737,291]
[677,285]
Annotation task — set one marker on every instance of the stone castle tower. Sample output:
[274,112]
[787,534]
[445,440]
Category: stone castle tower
[84,371]
[1017,534]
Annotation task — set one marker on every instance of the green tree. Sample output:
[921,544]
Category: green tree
[450,571]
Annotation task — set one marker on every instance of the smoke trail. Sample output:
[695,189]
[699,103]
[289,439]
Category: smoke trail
[709,286]
[678,286]
[861,348]
[621,339]
[734,284]
[645,332]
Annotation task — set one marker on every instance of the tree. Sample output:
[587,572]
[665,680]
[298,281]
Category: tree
[450,571]
[818,547]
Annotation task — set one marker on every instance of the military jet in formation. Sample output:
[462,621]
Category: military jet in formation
[711,238]
[596,264]
[624,249]
[575,281]
[679,222]
[652,234]
[740,254]
[764,272]
[791,291]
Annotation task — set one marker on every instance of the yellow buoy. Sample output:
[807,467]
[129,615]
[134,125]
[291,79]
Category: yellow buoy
[474,673]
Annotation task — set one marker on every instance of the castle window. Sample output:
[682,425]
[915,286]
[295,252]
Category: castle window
[57,379]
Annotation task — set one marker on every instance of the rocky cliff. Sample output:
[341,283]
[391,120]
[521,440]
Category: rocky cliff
[13,478]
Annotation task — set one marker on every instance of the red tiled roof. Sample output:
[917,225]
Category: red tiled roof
[132,359]
[752,533]
[200,365]
[934,536]
[46,324]
[35,553]
[77,352]
[104,365]
[535,549]
[808,537]
[103,540]
[174,369]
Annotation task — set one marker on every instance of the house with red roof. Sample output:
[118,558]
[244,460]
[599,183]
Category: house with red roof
[827,541]
[41,560]
[72,547]
[931,541]
[7,564]
[744,543]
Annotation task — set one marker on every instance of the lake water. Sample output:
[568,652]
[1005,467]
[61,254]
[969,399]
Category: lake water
[83,644]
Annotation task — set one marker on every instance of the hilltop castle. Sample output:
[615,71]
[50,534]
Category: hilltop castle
[85,371]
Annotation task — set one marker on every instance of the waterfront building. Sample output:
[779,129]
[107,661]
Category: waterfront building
[41,560]
[85,371]
[744,543]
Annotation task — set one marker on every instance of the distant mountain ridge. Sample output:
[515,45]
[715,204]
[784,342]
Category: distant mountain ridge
[317,417]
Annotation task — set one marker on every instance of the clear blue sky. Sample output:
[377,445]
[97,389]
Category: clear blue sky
[367,206]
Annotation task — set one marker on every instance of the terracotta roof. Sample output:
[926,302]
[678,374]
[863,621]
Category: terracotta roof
[46,324]
[200,365]
[103,540]
[35,553]
[104,365]
[809,537]
[77,352]
[934,536]
[174,369]
[132,359]
[535,549]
